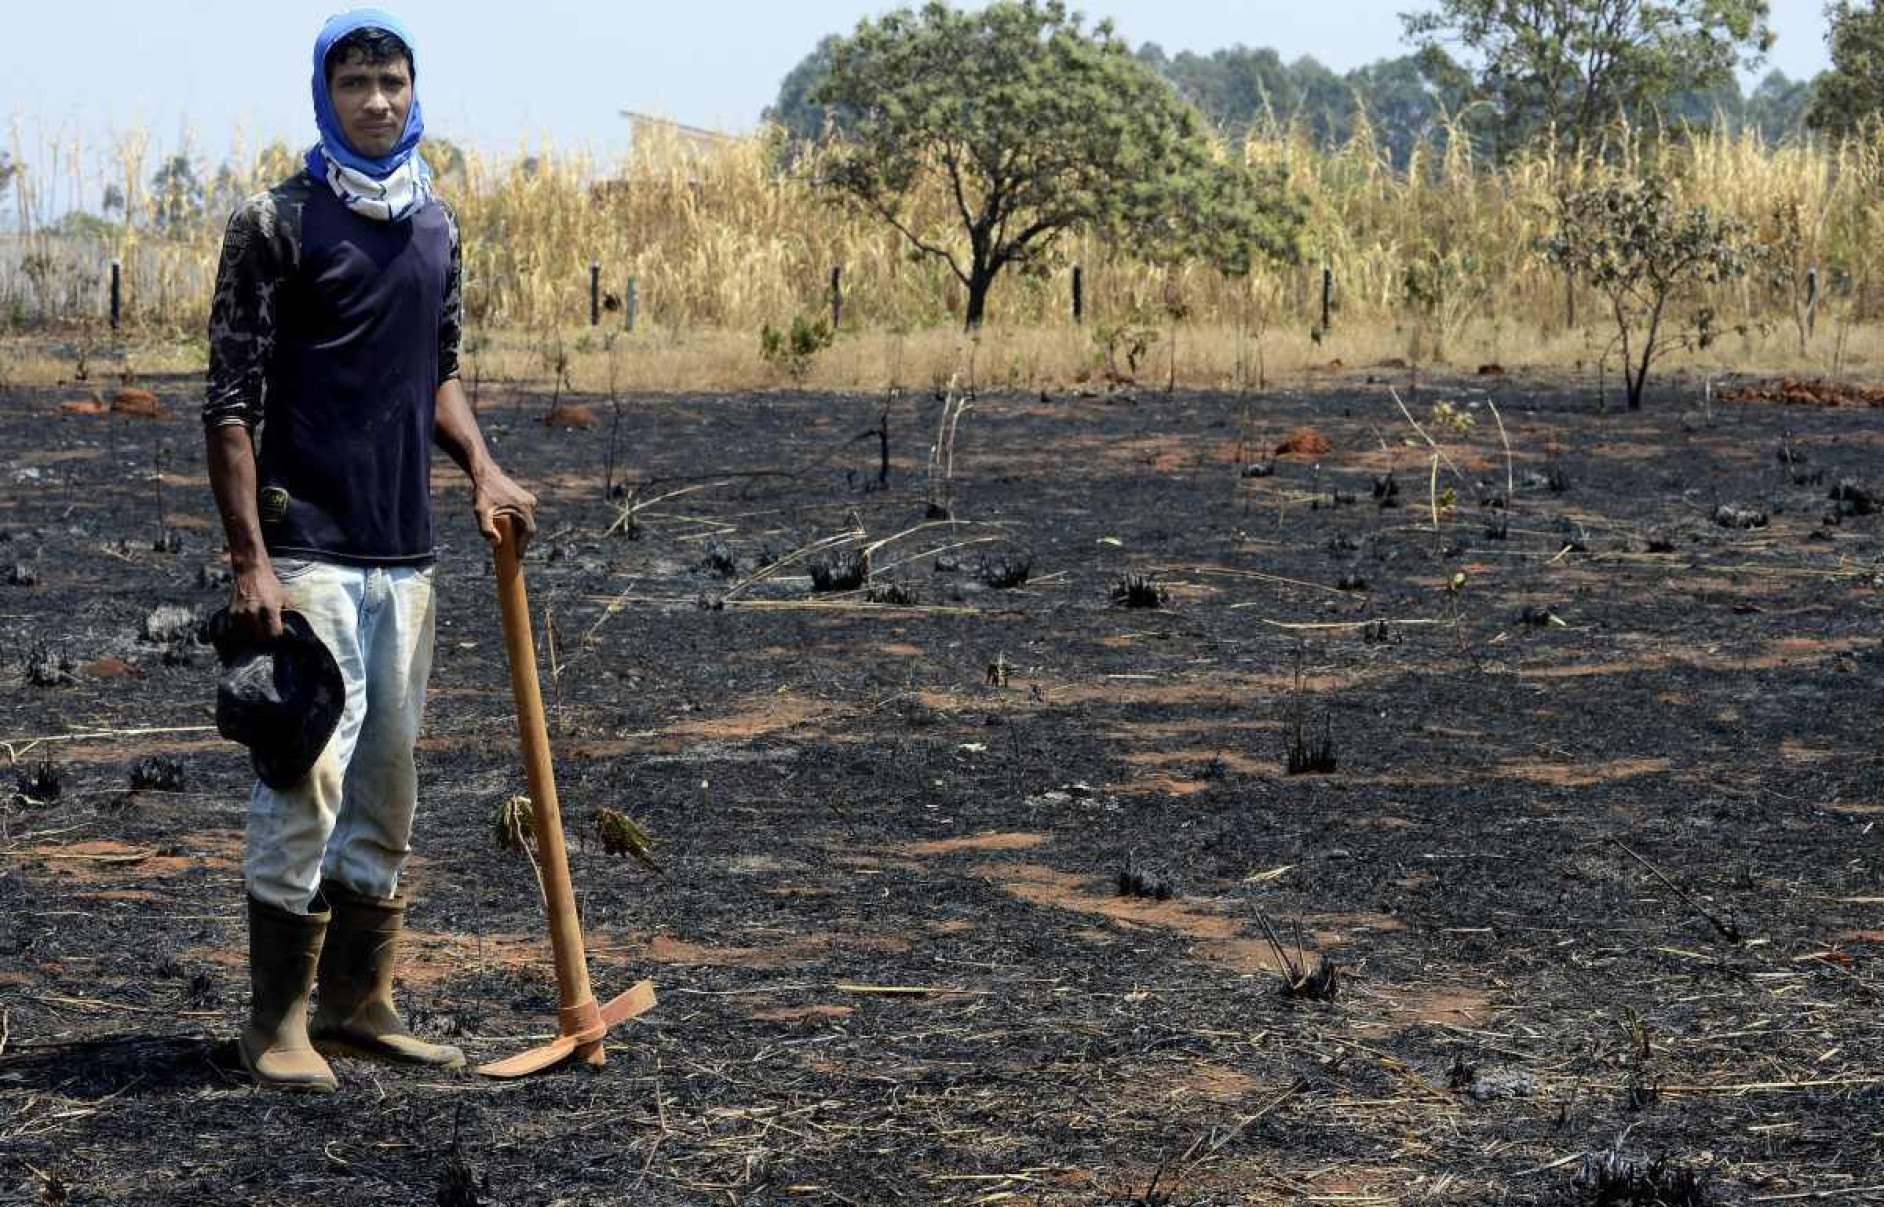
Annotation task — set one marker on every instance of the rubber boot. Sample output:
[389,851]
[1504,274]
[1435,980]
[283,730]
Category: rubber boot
[355,1014]
[284,949]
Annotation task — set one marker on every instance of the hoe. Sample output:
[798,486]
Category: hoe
[581,1023]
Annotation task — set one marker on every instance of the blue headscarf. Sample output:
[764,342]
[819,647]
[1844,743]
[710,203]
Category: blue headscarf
[333,142]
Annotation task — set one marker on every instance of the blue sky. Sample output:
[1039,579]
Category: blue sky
[498,76]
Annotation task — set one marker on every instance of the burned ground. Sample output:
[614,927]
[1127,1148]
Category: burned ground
[967,890]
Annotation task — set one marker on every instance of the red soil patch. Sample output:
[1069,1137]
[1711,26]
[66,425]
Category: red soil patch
[800,1014]
[1012,841]
[1304,442]
[1454,1005]
[1213,1082]
[569,415]
[1582,775]
[84,406]
[665,949]
[110,668]
[1807,391]
[139,404]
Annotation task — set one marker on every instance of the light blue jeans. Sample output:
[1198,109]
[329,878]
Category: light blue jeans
[350,820]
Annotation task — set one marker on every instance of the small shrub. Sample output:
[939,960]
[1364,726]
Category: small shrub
[1386,491]
[1632,242]
[40,784]
[1150,883]
[1740,515]
[170,623]
[1351,582]
[513,825]
[621,836]
[1318,984]
[902,595]
[1140,591]
[1311,758]
[794,348]
[844,570]
[46,667]
[1853,499]
[719,558]
[1005,571]
[20,574]
[1613,1180]
[158,773]
[1451,417]
[1131,339]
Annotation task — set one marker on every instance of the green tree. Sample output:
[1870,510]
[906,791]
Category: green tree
[1852,92]
[177,194]
[1574,66]
[1031,127]
[1777,106]
[794,109]
[1630,242]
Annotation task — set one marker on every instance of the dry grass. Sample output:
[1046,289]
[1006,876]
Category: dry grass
[1055,358]
[723,241]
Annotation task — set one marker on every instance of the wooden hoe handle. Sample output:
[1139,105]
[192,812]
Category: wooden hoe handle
[579,1018]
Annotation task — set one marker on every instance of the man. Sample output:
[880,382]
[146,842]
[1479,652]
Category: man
[335,330]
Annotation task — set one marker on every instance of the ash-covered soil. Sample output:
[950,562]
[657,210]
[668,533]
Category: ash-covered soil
[980,893]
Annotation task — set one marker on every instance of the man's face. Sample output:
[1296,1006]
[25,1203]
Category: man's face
[372,100]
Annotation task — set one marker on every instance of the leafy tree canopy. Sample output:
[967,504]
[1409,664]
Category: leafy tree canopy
[1423,96]
[794,110]
[1575,66]
[1631,241]
[1031,126]
[1852,92]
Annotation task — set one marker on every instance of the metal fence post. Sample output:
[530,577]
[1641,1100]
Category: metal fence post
[1079,294]
[632,302]
[837,296]
[117,293]
[595,293]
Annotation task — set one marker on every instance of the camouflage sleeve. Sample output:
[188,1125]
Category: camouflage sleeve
[451,315]
[242,315]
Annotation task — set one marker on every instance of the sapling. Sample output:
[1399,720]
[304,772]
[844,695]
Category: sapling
[1630,241]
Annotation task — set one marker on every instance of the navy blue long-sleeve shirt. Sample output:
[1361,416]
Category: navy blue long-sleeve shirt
[331,333]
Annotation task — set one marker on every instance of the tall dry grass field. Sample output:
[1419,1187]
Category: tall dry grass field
[1436,263]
